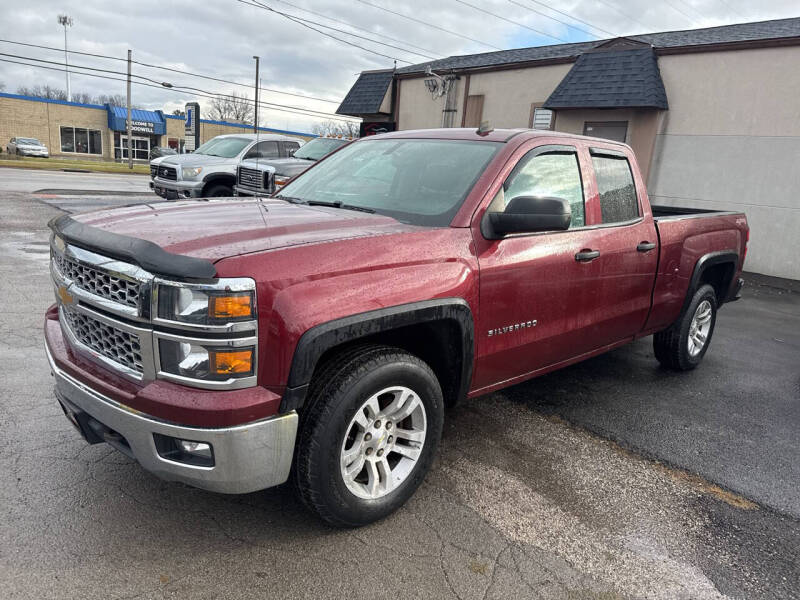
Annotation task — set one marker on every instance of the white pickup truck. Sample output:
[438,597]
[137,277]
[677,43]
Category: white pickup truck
[210,171]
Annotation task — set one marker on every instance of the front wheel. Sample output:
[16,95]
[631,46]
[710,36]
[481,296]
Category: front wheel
[218,191]
[683,345]
[368,436]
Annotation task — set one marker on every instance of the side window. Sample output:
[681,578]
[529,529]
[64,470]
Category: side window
[618,201]
[290,148]
[264,150]
[554,174]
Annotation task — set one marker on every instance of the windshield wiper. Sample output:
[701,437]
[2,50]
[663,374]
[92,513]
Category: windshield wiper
[291,199]
[339,204]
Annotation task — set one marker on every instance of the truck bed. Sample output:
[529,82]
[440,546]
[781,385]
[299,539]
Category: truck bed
[661,212]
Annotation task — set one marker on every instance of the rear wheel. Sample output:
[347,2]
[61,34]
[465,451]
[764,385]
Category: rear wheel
[683,345]
[368,435]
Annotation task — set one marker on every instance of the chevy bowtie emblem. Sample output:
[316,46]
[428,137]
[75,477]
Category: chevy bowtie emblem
[64,295]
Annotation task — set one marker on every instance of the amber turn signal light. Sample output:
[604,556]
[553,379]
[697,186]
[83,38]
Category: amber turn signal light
[227,307]
[235,362]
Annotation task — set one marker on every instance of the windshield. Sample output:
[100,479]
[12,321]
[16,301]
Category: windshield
[29,141]
[421,182]
[203,148]
[227,147]
[319,147]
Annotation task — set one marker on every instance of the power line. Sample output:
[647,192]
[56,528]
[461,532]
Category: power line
[305,23]
[678,10]
[574,18]
[510,21]
[174,88]
[335,20]
[431,25]
[374,41]
[163,68]
[627,16]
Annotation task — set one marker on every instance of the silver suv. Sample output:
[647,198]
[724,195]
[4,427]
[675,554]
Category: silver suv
[211,169]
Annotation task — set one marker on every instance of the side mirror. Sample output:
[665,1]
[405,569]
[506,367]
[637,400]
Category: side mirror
[527,214]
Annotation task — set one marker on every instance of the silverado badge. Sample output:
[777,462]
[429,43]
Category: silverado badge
[512,328]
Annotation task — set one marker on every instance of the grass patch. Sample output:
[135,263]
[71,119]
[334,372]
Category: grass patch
[55,164]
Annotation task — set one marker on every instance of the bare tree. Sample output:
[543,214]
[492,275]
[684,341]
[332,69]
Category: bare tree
[43,91]
[113,100]
[232,107]
[83,97]
[348,129]
[178,112]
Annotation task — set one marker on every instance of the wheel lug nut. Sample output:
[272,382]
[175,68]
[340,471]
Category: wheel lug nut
[388,424]
[380,452]
[367,437]
[390,439]
[377,424]
[369,451]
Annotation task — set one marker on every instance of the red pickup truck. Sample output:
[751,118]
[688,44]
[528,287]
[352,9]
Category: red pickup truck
[320,333]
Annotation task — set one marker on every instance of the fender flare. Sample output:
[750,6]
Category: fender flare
[213,178]
[321,338]
[704,262]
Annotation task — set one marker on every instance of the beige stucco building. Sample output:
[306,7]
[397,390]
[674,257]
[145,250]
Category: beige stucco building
[97,132]
[713,115]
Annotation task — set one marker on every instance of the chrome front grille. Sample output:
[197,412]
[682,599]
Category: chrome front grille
[251,178]
[167,173]
[98,282]
[119,346]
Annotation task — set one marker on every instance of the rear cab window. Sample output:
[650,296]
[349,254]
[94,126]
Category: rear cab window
[616,189]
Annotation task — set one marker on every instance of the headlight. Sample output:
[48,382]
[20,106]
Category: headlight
[191,172]
[281,180]
[226,301]
[205,360]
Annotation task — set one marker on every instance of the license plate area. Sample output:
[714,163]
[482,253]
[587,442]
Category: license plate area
[92,430]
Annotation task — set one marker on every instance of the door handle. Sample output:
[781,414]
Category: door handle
[587,255]
[645,246]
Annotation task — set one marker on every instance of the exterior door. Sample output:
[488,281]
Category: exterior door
[628,246]
[538,303]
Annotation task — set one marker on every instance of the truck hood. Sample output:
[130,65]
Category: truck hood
[283,166]
[216,229]
[195,160]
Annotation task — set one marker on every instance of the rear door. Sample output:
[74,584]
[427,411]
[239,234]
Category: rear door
[289,148]
[627,242]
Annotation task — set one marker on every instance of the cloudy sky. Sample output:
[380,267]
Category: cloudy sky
[218,38]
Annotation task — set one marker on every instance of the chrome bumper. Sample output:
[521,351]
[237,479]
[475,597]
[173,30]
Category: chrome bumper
[247,457]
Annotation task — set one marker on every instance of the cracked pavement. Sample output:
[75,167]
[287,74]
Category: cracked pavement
[524,501]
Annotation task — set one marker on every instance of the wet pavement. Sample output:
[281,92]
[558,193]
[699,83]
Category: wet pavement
[610,479]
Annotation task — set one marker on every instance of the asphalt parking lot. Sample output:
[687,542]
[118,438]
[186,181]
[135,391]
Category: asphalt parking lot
[610,479]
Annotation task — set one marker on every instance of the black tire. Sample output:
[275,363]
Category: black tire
[671,346]
[218,191]
[337,392]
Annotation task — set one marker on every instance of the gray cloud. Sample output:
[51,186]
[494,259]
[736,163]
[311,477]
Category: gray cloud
[219,37]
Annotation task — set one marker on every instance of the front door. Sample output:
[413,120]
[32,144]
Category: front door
[537,301]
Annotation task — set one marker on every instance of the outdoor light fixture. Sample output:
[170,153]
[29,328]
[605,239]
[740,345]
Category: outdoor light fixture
[432,85]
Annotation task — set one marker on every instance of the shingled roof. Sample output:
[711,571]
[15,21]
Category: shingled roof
[626,78]
[367,93]
[743,32]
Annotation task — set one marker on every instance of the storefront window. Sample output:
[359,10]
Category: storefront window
[81,141]
[141,146]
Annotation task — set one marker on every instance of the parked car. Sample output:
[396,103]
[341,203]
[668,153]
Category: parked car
[320,333]
[22,146]
[210,171]
[159,151]
[263,177]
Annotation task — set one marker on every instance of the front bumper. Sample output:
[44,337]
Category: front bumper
[247,457]
[172,190]
[37,153]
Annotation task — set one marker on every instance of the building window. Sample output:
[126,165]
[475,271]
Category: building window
[608,130]
[141,147]
[81,141]
[618,201]
[541,118]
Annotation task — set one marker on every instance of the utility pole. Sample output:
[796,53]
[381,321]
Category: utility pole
[129,124]
[255,120]
[66,21]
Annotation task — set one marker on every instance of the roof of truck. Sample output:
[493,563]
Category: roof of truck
[495,135]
